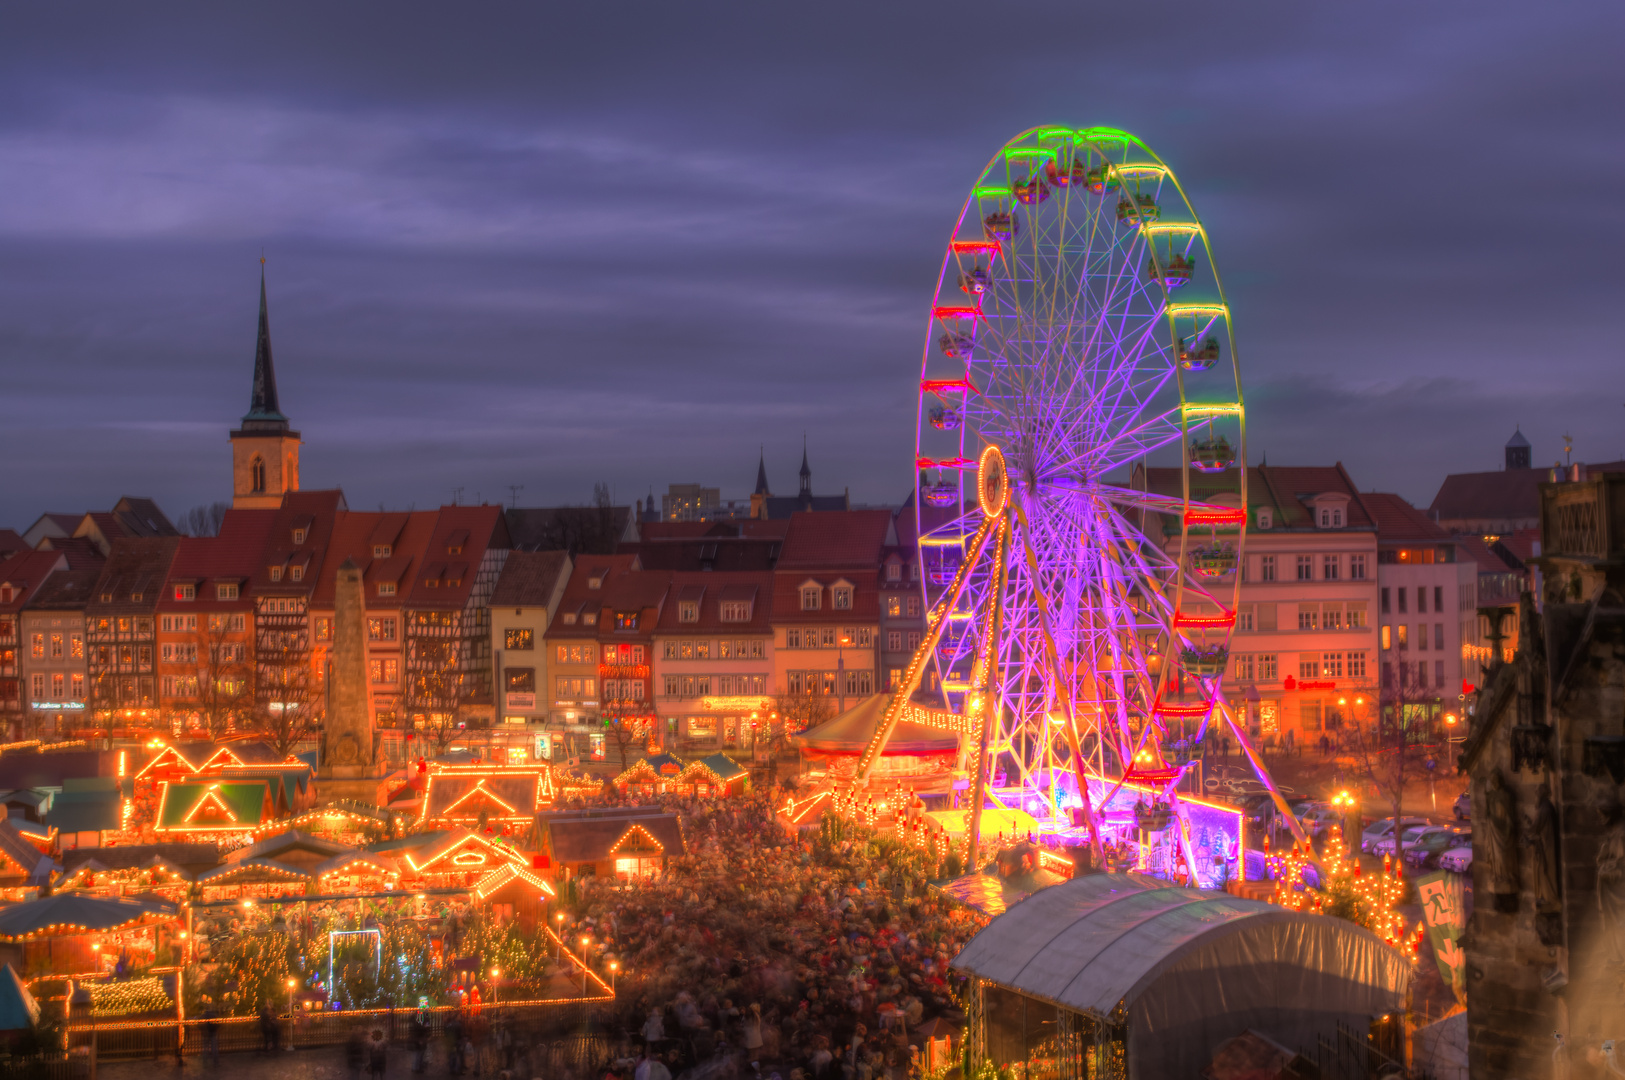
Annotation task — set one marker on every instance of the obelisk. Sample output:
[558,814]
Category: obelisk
[349,764]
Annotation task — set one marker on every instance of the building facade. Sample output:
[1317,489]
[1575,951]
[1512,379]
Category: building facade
[56,613]
[527,593]
[121,633]
[713,660]
[27,652]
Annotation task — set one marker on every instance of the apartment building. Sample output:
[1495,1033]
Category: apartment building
[56,613]
[713,659]
[1427,609]
[25,650]
[826,606]
[121,633]
[527,593]
[902,598]
[1303,654]
[206,628]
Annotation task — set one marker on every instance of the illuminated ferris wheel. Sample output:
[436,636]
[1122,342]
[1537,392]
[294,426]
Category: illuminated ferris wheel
[1079,327]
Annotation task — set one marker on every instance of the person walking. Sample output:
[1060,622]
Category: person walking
[377,1054]
[420,1039]
[268,1039]
[211,1032]
[355,1052]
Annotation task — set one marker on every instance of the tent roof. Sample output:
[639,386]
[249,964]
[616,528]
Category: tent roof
[850,732]
[18,1009]
[77,913]
[1101,939]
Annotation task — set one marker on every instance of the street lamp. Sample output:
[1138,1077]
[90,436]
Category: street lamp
[1348,805]
[842,641]
[584,941]
[496,973]
[612,966]
[292,985]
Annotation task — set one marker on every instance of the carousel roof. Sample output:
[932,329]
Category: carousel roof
[850,733]
[77,913]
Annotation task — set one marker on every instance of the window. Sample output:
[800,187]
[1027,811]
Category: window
[860,682]
[589,618]
[1329,567]
[626,621]
[386,588]
[324,628]
[1266,517]
[826,637]
[1438,674]
[671,685]
[519,639]
[843,598]
[37,687]
[735,611]
[1266,667]
[1266,568]
[756,649]
[1384,605]
[688,611]
[186,592]
[1356,567]
[1306,568]
[1354,617]
[1308,617]
[37,647]
[702,651]
[569,618]
[56,646]
[1331,616]
[76,646]
[1438,598]
[297,573]
[1421,674]
[1421,637]
[1331,665]
[1244,666]
[792,639]
[386,672]
[809,597]
[1309,715]
[894,641]
[894,606]
[914,607]
[381,551]
[1266,617]
[520,680]
[276,573]
[1403,594]
[1438,636]
[913,641]
[256,475]
[1421,599]
[1244,617]
[1356,665]
[1308,665]
[894,678]
[298,537]
[78,686]
[381,629]
[1400,631]
[226,592]
[894,571]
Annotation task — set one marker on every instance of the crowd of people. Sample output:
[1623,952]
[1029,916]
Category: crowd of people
[766,952]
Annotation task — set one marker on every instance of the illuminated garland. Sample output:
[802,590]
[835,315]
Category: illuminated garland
[134,996]
[1347,892]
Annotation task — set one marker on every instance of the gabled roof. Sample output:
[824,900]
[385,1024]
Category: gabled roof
[20,860]
[710,592]
[65,590]
[253,870]
[1397,520]
[27,573]
[186,806]
[11,542]
[459,850]
[313,512]
[850,539]
[624,587]
[1286,489]
[720,767]
[187,858]
[135,568]
[504,794]
[654,767]
[587,836]
[231,558]
[93,810]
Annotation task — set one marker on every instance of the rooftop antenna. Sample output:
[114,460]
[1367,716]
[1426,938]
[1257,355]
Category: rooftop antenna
[456,496]
[1568,449]
[513,494]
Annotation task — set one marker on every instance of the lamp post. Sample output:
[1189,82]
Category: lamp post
[1348,805]
[293,984]
[585,942]
[496,973]
[612,966]
[841,642]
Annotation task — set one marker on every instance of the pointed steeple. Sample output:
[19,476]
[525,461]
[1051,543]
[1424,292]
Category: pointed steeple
[761,474]
[806,472]
[263,411]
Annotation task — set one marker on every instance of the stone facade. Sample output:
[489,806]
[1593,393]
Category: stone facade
[1546,756]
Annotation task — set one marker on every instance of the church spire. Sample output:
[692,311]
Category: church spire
[761,474]
[806,472]
[263,411]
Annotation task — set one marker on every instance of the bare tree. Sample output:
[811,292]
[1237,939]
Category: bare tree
[288,700]
[204,519]
[1392,749]
[798,712]
[223,692]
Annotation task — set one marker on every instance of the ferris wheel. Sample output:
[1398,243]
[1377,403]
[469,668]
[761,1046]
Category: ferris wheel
[1079,327]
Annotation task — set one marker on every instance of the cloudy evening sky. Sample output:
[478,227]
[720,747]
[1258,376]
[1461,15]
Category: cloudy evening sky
[549,244]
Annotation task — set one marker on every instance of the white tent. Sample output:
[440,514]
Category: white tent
[1172,972]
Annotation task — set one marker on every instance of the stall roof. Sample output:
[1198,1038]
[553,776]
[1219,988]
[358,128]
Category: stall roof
[1101,939]
[850,733]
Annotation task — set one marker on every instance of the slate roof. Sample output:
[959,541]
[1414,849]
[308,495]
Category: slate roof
[26,573]
[850,540]
[1504,493]
[530,578]
[1397,520]
[135,567]
[66,590]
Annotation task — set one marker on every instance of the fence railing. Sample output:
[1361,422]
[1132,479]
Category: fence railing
[234,1034]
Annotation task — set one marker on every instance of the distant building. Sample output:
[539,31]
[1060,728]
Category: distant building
[713,659]
[1497,503]
[689,502]
[131,516]
[25,677]
[57,614]
[902,598]
[121,632]
[764,504]
[528,592]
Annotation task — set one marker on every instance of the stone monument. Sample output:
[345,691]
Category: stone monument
[349,764]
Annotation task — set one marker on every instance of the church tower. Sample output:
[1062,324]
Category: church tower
[1518,451]
[264,451]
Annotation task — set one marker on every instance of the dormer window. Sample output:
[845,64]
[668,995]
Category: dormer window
[569,618]
[688,611]
[297,573]
[894,571]
[225,592]
[107,598]
[590,619]
[1331,517]
[842,595]
[1266,517]
[276,573]
[386,588]
[596,581]
[810,596]
[626,621]
[735,611]
[381,551]
[7,594]
[135,597]
[186,592]
[298,537]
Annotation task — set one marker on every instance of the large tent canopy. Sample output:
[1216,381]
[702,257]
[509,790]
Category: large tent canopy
[78,913]
[1190,968]
[850,733]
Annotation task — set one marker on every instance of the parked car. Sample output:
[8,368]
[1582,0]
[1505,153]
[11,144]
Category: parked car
[1463,806]
[1431,843]
[1458,859]
[1384,829]
[1319,819]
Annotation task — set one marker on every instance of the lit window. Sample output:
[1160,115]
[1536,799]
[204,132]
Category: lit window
[380,551]
[298,536]
[386,588]
[843,598]
[186,592]
[688,611]
[225,592]
[736,611]
[809,597]
[297,573]
[276,573]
